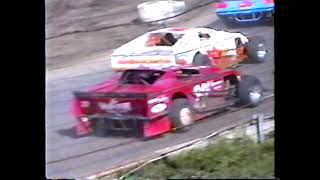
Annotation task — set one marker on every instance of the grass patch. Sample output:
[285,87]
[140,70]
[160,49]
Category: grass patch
[226,159]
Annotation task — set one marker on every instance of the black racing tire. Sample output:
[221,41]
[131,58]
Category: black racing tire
[100,128]
[253,47]
[247,85]
[179,105]
[201,60]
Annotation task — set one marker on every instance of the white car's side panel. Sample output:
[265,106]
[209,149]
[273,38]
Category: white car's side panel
[187,47]
[184,49]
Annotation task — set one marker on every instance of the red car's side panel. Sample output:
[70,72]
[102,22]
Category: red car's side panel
[82,128]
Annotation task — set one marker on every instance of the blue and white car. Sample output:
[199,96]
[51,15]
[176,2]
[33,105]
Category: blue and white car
[243,11]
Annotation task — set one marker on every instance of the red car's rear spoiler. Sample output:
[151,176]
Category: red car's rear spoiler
[99,95]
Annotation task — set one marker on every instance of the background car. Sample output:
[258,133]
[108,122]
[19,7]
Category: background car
[188,46]
[244,11]
[158,10]
[150,102]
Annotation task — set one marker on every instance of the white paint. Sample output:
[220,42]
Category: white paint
[157,99]
[218,87]
[186,116]
[84,119]
[199,89]
[158,108]
[114,105]
[185,48]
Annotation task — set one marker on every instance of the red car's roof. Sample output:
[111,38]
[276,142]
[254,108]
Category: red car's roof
[113,85]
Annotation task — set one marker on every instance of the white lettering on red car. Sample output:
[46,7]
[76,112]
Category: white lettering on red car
[204,88]
[113,105]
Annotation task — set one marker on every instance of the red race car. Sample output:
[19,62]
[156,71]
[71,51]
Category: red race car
[153,101]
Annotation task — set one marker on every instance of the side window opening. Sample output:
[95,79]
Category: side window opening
[186,73]
[142,77]
[162,39]
[204,36]
[239,47]
[238,43]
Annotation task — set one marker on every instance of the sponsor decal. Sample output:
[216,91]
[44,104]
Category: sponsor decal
[158,99]
[204,88]
[114,105]
[158,108]
[246,5]
[143,61]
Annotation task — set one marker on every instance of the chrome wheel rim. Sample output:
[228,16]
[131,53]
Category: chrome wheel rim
[255,95]
[261,53]
[185,116]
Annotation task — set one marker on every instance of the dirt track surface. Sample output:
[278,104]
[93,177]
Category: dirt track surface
[93,154]
[88,18]
[63,16]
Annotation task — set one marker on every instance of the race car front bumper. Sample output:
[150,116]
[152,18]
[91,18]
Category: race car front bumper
[250,15]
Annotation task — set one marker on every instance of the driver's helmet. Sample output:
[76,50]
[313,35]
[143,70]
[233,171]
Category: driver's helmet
[170,38]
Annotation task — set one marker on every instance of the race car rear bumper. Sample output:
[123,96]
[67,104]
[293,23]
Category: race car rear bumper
[128,123]
[249,15]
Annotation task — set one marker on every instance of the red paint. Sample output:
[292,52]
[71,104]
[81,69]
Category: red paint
[268,1]
[157,127]
[168,85]
[179,29]
[83,128]
[153,41]
[246,4]
[215,53]
[221,5]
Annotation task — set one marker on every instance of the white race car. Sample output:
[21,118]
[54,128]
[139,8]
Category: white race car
[188,46]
